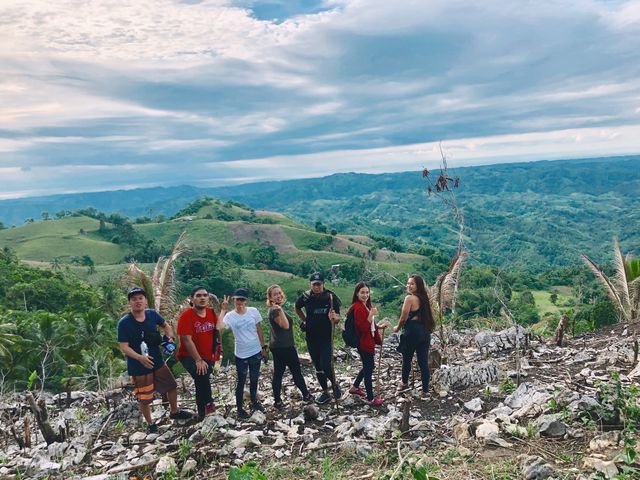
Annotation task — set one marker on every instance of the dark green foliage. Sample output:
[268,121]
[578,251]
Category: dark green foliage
[320,228]
[526,297]
[480,302]
[389,243]
[525,313]
[27,288]
[321,243]
[265,257]
[603,313]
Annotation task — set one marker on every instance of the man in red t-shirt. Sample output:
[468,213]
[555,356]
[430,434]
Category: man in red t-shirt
[197,328]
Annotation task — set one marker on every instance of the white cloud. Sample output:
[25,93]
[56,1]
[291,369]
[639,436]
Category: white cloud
[365,85]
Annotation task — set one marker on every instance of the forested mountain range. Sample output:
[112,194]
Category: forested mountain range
[532,215]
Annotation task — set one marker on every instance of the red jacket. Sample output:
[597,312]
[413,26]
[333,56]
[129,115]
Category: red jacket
[363,328]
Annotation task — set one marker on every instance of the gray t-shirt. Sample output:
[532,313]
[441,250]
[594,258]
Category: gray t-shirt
[280,338]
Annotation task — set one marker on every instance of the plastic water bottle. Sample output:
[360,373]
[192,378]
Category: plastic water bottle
[144,349]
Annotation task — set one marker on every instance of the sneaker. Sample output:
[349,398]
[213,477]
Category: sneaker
[324,398]
[242,413]
[181,415]
[257,406]
[357,391]
[425,396]
[376,402]
[308,398]
[152,428]
[337,393]
[210,409]
[279,405]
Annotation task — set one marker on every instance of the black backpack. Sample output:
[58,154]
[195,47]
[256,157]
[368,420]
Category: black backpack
[349,334]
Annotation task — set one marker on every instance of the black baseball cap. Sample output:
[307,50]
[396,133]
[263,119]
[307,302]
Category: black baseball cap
[316,277]
[196,288]
[135,291]
[241,293]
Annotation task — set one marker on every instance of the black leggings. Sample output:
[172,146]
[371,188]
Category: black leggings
[366,373]
[320,351]
[418,341]
[283,358]
[202,383]
[252,364]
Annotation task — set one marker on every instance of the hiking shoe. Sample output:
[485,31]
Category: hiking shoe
[242,413]
[425,396]
[152,428]
[357,391]
[308,398]
[324,398]
[376,402]
[181,415]
[279,405]
[337,393]
[403,387]
[210,409]
[257,406]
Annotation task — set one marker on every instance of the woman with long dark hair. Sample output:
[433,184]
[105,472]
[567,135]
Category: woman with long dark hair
[417,320]
[368,336]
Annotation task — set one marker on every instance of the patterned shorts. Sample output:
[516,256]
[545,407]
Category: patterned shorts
[161,381]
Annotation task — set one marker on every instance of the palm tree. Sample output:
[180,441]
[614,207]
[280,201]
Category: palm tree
[160,288]
[623,288]
[92,329]
[8,340]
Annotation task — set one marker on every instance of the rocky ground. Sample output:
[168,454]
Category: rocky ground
[496,412]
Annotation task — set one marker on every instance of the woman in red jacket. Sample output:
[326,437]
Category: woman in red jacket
[363,313]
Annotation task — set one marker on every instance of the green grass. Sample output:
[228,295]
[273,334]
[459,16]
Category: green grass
[44,241]
[303,238]
[543,302]
[201,233]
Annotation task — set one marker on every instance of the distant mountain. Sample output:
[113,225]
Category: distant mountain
[539,213]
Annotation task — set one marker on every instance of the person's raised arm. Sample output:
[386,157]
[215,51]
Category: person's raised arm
[223,312]
[224,306]
[280,318]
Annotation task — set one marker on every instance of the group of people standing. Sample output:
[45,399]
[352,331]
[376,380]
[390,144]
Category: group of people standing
[318,309]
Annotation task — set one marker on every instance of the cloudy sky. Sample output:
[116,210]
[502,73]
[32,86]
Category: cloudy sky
[99,95]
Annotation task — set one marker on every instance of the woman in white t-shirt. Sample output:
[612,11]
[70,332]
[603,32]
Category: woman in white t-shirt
[250,348]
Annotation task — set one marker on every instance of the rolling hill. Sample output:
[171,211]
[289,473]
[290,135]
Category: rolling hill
[527,215]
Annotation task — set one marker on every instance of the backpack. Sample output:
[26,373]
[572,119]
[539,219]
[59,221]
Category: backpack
[349,334]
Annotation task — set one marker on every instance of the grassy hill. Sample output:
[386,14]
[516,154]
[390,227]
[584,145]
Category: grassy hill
[527,215]
[62,239]
[228,244]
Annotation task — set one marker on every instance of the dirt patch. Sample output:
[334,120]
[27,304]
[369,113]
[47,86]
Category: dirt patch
[263,234]
[267,213]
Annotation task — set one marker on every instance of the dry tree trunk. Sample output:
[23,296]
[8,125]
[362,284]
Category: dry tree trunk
[562,327]
[27,433]
[39,410]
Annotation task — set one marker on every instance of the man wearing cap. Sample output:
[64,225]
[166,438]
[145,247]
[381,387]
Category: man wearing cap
[321,309]
[140,342]
[197,328]
[250,347]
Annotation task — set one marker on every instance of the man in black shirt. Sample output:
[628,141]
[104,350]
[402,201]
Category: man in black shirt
[321,310]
